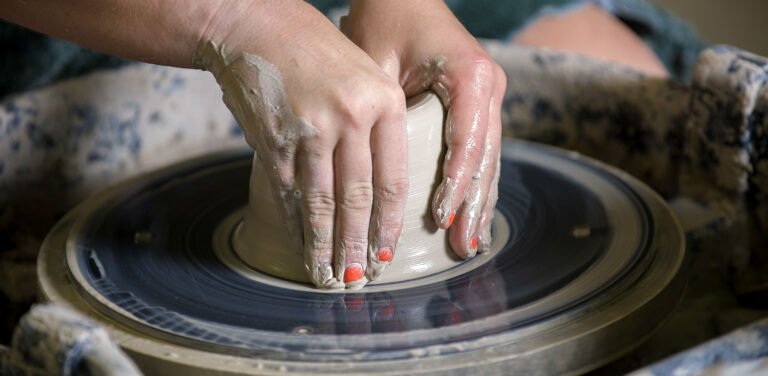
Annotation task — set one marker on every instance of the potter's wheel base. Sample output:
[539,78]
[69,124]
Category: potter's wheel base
[589,266]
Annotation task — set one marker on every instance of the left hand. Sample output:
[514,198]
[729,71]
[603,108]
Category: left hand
[423,46]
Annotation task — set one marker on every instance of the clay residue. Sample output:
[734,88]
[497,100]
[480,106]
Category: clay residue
[472,206]
[488,212]
[444,199]
[322,275]
[432,76]
[254,92]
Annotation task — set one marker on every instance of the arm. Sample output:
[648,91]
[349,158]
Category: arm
[312,104]
[161,32]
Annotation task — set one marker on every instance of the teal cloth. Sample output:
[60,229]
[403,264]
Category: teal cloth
[29,60]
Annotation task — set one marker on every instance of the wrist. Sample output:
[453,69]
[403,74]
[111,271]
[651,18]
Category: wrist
[393,7]
[266,28]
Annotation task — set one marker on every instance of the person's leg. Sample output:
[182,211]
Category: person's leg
[591,31]
[672,40]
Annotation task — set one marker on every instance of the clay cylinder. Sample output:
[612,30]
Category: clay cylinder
[263,241]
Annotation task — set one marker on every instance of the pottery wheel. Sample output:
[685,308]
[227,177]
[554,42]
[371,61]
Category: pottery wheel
[586,263]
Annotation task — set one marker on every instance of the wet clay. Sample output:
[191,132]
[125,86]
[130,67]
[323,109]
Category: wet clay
[264,242]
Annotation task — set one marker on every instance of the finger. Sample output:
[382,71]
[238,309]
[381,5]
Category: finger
[389,144]
[465,235]
[465,130]
[494,136]
[461,235]
[489,209]
[354,191]
[319,205]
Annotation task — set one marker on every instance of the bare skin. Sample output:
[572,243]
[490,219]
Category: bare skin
[422,45]
[591,31]
[336,140]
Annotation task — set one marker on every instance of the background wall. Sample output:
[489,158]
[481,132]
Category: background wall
[742,23]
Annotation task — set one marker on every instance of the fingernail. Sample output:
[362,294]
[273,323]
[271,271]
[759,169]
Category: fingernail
[472,251]
[451,218]
[378,259]
[353,272]
[385,254]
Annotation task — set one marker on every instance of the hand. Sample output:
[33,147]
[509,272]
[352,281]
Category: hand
[423,46]
[325,120]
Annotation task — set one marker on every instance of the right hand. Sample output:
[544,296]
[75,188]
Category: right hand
[327,123]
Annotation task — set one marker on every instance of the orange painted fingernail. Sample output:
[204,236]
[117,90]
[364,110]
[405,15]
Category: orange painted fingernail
[473,243]
[352,273]
[385,254]
[451,218]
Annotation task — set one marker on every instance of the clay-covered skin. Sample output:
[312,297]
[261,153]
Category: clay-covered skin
[328,125]
[422,45]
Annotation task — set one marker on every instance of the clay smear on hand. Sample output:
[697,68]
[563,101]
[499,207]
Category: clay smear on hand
[432,77]
[253,91]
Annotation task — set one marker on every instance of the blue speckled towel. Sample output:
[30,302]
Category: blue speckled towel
[31,60]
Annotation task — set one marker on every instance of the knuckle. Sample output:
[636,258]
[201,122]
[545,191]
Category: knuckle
[353,243]
[321,246]
[355,111]
[320,204]
[285,151]
[322,140]
[359,111]
[316,148]
[357,196]
[392,94]
[284,174]
[484,68]
[320,124]
[480,68]
[355,248]
[395,191]
[396,109]
[389,227]
[353,121]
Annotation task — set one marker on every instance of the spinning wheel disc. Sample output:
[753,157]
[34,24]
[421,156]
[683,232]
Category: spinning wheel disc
[578,249]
